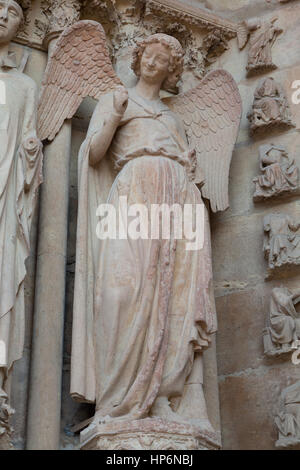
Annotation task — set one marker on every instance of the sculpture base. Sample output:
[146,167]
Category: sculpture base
[285,270]
[148,434]
[279,124]
[288,443]
[279,195]
[259,68]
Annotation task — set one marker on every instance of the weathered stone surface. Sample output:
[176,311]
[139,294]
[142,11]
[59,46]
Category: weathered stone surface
[279,174]
[282,333]
[93,150]
[288,418]
[241,316]
[148,434]
[270,107]
[248,387]
[253,394]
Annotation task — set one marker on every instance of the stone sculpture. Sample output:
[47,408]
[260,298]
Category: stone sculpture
[143,308]
[279,175]
[262,37]
[281,241]
[21,175]
[270,107]
[288,419]
[283,332]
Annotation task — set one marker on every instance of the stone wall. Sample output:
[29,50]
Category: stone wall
[250,383]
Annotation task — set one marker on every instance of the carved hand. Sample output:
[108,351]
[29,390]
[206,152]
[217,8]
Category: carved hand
[120,100]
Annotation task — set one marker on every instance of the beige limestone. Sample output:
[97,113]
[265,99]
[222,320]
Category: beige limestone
[288,419]
[242,298]
[44,408]
[21,170]
[43,428]
[283,330]
[95,367]
[253,394]
[280,175]
[148,434]
[262,37]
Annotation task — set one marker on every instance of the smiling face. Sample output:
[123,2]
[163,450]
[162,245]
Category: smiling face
[155,61]
[11,17]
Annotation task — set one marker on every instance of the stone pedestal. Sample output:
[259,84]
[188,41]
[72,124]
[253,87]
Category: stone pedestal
[288,443]
[149,434]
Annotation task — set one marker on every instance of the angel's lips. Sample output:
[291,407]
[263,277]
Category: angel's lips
[149,70]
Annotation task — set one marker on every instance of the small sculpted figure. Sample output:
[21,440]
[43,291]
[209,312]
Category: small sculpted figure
[282,241]
[20,177]
[279,175]
[263,34]
[270,107]
[283,331]
[288,419]
[144,307]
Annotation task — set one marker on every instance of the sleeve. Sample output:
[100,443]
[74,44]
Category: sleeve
[31,147]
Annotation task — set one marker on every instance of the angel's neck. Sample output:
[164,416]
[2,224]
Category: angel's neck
[149,91]
[4,48]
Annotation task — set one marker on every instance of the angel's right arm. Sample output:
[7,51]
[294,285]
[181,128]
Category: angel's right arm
[102,139]
[103,126]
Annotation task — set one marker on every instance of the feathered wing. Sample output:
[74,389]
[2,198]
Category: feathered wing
[242,34]
[79,66]
[211,113]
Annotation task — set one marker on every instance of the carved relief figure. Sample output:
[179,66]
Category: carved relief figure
[262,37]
[279,173]
[144,309]
[288,419]
[284,322]
[281,242]
[59,14]
[270,106]
[21,174]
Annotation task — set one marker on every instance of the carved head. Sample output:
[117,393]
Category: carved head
[11,18]
[159,57]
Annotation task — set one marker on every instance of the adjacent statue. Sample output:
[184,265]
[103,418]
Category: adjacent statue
[283,331]
[21,175]
[262,37]
[143,308]
[279,175]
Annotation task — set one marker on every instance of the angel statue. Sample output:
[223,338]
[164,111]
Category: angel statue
[143,308]
[21,175]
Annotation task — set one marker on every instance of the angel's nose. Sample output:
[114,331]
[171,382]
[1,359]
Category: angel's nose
[151,61]
[4,13]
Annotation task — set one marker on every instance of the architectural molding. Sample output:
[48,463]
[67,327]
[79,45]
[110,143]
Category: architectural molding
[192,15]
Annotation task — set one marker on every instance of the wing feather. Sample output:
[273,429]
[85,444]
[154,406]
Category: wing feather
[79,66]
[242,34]
[211,113]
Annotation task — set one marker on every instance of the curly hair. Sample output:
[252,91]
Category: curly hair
[176,62]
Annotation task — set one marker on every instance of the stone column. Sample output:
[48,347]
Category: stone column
[44,408]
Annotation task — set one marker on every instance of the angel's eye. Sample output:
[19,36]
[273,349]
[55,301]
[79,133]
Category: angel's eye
[13,12]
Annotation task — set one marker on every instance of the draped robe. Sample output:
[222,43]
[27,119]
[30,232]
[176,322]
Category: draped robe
[142,308]
[20,177]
